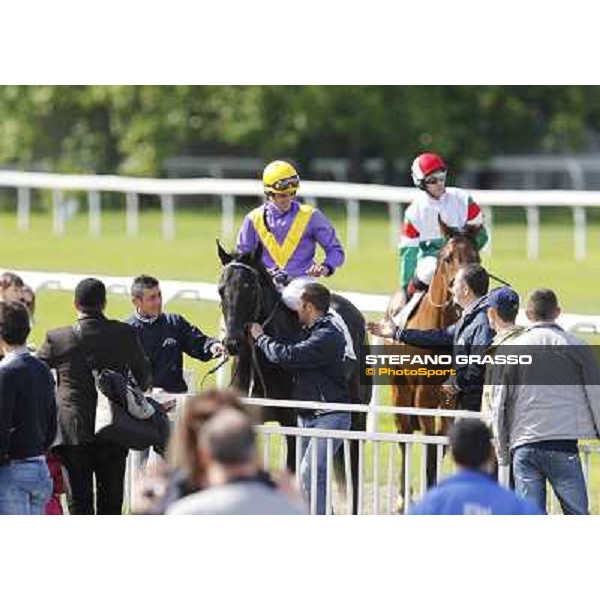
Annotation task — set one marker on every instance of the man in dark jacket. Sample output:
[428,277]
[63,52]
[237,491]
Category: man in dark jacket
[470,336]
[105,344]
[165,337]
[318,366]
[27,418]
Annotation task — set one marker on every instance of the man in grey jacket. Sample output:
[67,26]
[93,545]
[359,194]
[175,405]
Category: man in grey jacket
[541,410]
[227,448]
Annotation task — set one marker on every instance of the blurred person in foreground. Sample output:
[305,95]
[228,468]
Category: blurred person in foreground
[165,337]
[538,418]
[98,342]
[160,485]
[27,418]
[472,490]
[234,483]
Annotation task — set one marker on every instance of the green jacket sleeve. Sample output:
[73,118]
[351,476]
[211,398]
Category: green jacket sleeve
[407,256]
[482,237]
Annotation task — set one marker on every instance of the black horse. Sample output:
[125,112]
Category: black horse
[248,295]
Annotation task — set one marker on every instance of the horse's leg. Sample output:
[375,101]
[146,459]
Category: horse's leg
[426,397]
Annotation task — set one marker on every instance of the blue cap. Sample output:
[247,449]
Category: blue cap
[503,298]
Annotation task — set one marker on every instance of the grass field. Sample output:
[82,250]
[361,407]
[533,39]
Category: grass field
[372,268]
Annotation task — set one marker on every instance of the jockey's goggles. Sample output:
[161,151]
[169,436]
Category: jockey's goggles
[284,185]
[439,177]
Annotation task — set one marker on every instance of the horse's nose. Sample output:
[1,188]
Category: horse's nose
[232,345]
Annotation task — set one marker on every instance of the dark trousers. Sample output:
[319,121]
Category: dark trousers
[104,461]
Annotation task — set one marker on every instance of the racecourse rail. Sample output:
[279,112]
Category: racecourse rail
[377,487]
[190,290]
[228,189]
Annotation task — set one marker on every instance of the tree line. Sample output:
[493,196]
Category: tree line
[133,129]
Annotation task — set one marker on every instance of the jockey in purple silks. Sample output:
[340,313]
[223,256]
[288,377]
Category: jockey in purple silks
[289,233]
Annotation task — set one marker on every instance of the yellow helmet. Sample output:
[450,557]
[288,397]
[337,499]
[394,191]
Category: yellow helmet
[279,177]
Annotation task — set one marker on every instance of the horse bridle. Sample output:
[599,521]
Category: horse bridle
[255,365]
[449,301]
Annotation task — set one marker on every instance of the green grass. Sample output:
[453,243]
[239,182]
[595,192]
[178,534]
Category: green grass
[371,268]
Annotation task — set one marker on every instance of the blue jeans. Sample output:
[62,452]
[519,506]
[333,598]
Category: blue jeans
[533,466]
[25,487]
[337,420]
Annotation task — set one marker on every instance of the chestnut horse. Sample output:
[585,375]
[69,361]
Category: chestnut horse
[435,311]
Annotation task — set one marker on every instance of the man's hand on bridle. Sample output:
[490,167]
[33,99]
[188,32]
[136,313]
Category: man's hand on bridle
[256,330]
[218,349]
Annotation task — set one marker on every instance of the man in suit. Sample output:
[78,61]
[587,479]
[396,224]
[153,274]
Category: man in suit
[106,344]
[27,418]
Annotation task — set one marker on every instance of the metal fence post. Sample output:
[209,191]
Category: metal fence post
[395,214]
[167,204]
[353,208]
[579,220]
[94,209]
[58,212]
[23,208]
[132,216]
[533,232]
[227,217]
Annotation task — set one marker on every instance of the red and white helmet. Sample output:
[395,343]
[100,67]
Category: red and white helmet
[424,165]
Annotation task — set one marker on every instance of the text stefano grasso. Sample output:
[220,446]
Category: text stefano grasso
[448,359]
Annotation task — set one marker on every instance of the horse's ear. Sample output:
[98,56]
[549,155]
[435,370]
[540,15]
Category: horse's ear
[446,230]
[224,257]
[471,231]
[256,255]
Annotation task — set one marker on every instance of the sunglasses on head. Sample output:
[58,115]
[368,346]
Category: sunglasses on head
[286,184]
[438,178]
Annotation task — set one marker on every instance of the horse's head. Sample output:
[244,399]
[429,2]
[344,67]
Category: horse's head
[460,248]
[242,287]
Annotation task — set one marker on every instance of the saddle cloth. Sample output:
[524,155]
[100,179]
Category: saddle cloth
[406,312]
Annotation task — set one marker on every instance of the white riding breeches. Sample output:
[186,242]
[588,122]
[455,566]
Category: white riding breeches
[291,298]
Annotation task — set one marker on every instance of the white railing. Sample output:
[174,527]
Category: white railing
[380,463]
[189,290]
[227,189]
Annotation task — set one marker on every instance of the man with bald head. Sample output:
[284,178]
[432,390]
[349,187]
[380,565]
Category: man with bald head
[227,449]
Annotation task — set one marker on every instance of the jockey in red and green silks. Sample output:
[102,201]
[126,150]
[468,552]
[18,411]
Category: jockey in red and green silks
[421,235]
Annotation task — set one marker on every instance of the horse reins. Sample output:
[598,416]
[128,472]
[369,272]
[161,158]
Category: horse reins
[255,364]
[449,301]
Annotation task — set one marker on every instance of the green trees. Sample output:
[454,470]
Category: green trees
[132,129]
